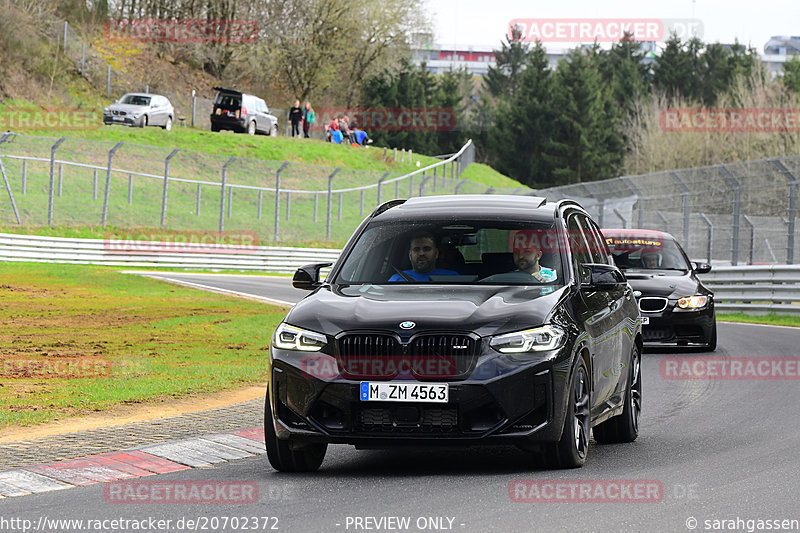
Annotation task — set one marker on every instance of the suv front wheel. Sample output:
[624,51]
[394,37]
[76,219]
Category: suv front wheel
[573,447]
[286,456]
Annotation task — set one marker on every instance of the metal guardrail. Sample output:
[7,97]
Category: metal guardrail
[749,289]
[29,248]
[757,289]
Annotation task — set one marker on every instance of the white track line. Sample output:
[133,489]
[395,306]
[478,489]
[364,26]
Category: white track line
[229,292]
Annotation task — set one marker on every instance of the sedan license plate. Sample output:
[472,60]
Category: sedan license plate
[404,392]
[118,119]
[645,320]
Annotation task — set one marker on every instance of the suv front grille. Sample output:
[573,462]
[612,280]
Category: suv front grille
[426,356]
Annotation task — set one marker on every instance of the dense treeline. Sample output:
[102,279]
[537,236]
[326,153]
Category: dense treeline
[582,120]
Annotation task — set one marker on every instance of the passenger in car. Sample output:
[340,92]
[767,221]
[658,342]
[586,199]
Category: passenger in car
[423,252]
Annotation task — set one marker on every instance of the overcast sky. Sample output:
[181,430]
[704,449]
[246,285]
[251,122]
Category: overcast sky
[485,22]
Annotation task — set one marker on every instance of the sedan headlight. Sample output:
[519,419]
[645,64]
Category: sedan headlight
[291,338]
[698,301]
[541,339]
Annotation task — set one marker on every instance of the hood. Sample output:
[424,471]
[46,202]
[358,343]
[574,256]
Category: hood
[128,108]
[664,283]
[485,310]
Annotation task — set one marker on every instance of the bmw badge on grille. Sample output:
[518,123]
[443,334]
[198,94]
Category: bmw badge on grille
[407,325]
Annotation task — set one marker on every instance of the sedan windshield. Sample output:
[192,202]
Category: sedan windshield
[448,252]
[135,99]
[646,253]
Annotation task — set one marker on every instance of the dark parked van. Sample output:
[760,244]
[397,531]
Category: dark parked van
[240,112]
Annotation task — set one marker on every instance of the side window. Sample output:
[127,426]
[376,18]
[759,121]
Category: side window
[597,243]
[577,241]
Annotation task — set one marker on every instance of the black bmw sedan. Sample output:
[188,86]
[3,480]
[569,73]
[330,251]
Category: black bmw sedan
[459,320]
[677,309]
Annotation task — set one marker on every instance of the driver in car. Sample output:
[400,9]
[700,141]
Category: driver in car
[423,252]
[527,251]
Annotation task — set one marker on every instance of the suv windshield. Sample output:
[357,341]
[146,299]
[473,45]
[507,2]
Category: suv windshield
[646,253]
[135,99]
[448,252]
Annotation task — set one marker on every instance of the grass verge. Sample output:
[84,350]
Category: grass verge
[78,339]
[772,319]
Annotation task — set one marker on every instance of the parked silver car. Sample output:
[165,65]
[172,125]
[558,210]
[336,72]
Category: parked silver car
[140,110]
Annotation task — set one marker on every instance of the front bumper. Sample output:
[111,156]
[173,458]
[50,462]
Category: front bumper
[670,327]
[500,402]
[127,120]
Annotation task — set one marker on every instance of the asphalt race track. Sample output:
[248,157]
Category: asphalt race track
[714,449]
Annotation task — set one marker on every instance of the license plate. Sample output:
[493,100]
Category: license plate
[404,392]
[645,320]
[119,119]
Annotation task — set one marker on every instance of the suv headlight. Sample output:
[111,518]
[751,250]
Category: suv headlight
[291,338]
[541,339]
[691,303]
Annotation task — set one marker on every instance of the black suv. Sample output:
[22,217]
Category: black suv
[459,321]
[242,113]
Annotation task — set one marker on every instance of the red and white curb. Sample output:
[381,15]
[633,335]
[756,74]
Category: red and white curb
[147,461]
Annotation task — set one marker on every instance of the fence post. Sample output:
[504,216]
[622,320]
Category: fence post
[490,190]
[663,220]
[60,178]
[94,184]
[622,218]
[230,201]
[130,189]
[194,105]
[685,192]
[710,234]
[384,154]
[166,183]
[52,179]
[260,201]
[330,199]
[288,204]
[397,189]
[459,186]
[380,186]
[222,193]
[395,155]
[66,29]
[737,197]
[752,236]
[8,189]
[108,181]
[278,199]
[108,81]
[197,202]
[410,186]
[434,178]
[640,201]
[25,179]
[425,179]
[316,204]
[792,208]
[341,200]
[361,211]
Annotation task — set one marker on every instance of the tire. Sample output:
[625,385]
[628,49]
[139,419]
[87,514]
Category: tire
[572,449]
[625,427]
[273,132]
[287,458]
[143,122]
[168,124]
[251,128]
[214,127]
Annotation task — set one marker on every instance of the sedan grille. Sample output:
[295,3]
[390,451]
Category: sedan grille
[650,304]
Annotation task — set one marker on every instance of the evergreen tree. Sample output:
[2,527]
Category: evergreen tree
[791,74]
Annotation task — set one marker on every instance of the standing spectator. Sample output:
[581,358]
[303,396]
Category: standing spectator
[295,116]
[308,118]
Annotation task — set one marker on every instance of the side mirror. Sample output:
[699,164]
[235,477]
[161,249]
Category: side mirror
[701,268]
[307,276]
[602,277]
